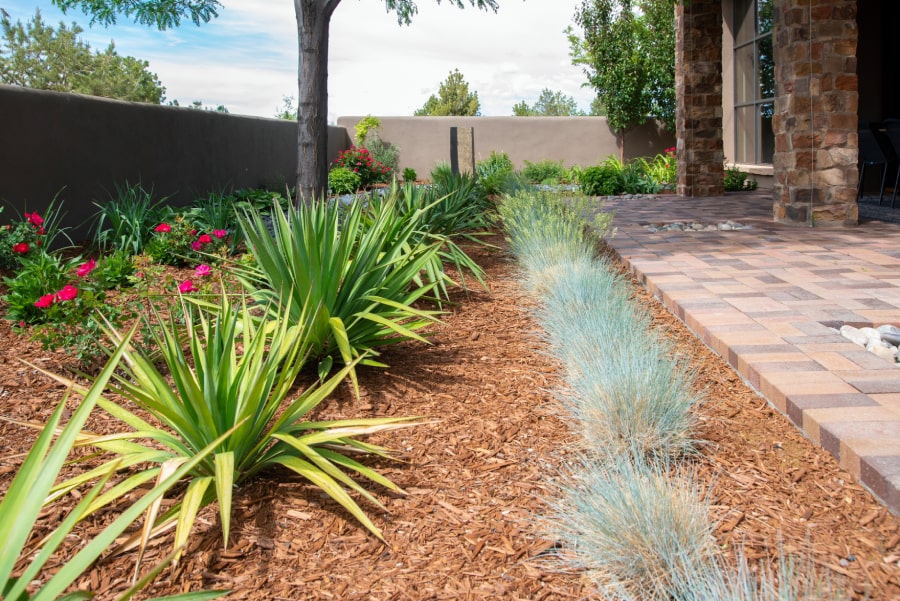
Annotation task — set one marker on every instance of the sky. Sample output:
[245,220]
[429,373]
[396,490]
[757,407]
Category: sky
[246,59]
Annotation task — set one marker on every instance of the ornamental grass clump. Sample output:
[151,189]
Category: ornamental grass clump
[635,528]
[346,276]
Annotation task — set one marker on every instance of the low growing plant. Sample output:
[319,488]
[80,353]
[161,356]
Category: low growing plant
[601,180]
[409,174]
[360,161]
[30,235]
[494,172]
[546,172]
[738,181]
[126,220]
[342,180]
[179,242]
[386,155]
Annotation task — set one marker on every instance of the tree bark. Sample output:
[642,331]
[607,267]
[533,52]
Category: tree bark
[313,20]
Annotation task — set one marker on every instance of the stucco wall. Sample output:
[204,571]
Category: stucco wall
[85,146]
[425,141]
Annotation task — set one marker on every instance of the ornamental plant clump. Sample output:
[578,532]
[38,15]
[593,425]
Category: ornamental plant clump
[342,180]
[359,160]
[179,243]
[21,240]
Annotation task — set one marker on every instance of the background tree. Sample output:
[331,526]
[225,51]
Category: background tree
[453,98]
[549,104]
[288,109]
[36,56]
[628,55]
[313,21]
[198,104]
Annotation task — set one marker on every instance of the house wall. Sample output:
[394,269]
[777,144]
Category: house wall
[81,147]
[425,141]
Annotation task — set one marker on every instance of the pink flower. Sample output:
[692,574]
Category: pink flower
[44,302]
[34,218]
[21,248]
[68,293]
[204,239]
[220,233]
[202,270]
[163,228]
[86,268]
[187,286]
[196,245]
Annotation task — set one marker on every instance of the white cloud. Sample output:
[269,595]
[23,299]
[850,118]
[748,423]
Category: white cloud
[246,59]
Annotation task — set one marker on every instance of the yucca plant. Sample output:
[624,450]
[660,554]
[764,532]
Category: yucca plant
[22,563]
[349,285]
[236,373]
[444,214]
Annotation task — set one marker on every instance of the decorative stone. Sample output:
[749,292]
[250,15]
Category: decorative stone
[854,335]
[890,334]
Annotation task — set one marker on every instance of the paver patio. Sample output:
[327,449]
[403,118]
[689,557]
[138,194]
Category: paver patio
[766,299]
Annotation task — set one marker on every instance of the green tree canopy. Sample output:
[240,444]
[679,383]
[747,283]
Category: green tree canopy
[313,21]
[453,98]
[549,104]
[628,55]
[34,55]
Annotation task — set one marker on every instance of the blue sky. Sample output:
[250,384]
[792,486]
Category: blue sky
[246,59]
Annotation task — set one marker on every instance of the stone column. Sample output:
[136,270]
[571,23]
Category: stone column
[698,89]
[815,120]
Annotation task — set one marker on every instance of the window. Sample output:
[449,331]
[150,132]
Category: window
[754,81]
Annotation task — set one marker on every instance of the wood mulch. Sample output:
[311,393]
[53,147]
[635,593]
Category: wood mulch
[476,476]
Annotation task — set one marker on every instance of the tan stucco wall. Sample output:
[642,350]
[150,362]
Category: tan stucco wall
[425,141]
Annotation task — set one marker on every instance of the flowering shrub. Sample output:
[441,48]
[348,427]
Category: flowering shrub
[359,160]
[21,240]
[663,168]
[54,300]
[179,243]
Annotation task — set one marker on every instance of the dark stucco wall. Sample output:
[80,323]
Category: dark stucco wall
[81,147]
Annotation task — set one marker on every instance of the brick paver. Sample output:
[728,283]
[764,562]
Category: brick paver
[767,299]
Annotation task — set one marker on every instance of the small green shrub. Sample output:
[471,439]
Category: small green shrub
[494,173]
[409,174]
[738,181]
[635,179]
[601,180]
[366,124]
[386,155]
[179,242]
[342,180]
[544,172]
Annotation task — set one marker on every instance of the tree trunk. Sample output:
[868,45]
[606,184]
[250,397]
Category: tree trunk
[313,20]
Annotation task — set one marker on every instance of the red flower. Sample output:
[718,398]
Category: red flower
[220,233]
[68,293]
[86,268]
[187,286]
[204,239]
[21,248]
[35,219]
[44,302]
[163,228]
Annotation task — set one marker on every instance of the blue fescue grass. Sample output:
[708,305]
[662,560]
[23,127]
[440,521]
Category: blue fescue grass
[634,529]
[627,511]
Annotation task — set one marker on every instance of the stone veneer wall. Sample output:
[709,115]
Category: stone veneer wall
[815,120]
[698,87]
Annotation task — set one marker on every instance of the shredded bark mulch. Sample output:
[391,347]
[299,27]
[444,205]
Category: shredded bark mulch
[477,475]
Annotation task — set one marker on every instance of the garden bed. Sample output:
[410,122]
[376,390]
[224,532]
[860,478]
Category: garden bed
[477,477]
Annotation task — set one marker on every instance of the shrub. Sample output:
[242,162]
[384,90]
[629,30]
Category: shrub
[544,172]
[738,181]
[663,169]
[29,236]
[494,172]
[360,161]
[342,180]
[386,155]
[178,242]
[409,174]
[636,180]
[601,180]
